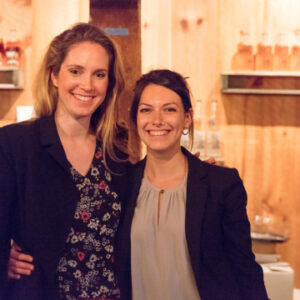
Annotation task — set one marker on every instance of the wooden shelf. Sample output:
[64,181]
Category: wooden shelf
[261,82]
[11,78]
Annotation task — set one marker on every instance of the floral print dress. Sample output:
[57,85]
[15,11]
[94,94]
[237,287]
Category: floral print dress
[86,269]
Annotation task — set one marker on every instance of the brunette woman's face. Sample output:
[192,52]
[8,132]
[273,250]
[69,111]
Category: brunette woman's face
[161,119]
[82,80]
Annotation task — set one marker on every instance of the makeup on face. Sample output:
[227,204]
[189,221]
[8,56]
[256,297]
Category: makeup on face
[161,118]
[82,80]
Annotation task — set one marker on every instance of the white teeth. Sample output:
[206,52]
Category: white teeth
[162,132]
[83,98]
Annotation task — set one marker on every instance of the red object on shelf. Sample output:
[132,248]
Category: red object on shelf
[12,50]
[2,52]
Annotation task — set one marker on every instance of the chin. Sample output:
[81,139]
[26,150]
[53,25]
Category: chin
[163,149]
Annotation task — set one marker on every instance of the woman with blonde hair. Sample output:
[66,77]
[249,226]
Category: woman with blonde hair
[61,174]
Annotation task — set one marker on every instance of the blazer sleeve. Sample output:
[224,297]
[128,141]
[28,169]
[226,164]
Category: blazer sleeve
[237,241]
[7,202]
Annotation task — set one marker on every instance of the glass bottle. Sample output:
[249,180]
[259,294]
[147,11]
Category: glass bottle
[264,56]
[199,131]
[13,50]
[295,54]
[244,57]
[281,54]
[213,133]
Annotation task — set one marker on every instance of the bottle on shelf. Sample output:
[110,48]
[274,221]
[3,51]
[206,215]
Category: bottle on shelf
[295,54]
[13,50]
[213,133]
[199,130]
[264,55]
[244,57]
[281,54]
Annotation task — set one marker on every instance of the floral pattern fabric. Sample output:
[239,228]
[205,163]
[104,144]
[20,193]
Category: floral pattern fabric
[86,270]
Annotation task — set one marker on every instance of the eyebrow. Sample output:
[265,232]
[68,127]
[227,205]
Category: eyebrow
[81,67]
[166,104]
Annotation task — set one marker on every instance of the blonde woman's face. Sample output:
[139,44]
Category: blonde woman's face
[82,80]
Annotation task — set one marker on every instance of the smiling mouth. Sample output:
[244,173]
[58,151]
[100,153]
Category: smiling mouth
[83,98]
[158,132]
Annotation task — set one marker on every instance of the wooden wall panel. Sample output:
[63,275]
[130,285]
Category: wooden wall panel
[156,38]
[50,18]
[266,128]
[130,50]
[16,15]
[260,134]
[192,21]
[128,45]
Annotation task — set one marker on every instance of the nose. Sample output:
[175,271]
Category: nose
[158,118]
[86,83]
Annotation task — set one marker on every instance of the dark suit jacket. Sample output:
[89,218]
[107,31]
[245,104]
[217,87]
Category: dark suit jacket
[37,204]
[217,233]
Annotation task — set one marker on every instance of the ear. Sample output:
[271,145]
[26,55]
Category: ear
[54,79]
[188,118]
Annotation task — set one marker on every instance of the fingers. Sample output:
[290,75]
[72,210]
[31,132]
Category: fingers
[17,255]
[20,267]
[211,161]
[197,154]
[12,275]
[19,263]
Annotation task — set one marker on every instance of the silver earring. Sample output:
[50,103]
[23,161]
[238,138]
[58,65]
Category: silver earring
[185,131]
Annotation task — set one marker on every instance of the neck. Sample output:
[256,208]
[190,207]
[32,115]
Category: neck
[76,129]
[162,168]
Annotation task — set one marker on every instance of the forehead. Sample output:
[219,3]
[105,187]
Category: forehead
[155,94]
[87,53]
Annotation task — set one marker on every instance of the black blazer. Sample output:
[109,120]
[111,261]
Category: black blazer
[37,204]
[217,233]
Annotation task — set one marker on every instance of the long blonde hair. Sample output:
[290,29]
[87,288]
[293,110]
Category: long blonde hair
[104,119]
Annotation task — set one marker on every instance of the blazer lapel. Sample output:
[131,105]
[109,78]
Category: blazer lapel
[195,207]
[123,247]
[50,140]
[135,179]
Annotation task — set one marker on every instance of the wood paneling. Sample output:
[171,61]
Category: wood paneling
[129,45]
[130,50]
[260,134]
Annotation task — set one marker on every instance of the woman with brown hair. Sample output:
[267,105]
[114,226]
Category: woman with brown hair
[185,232]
